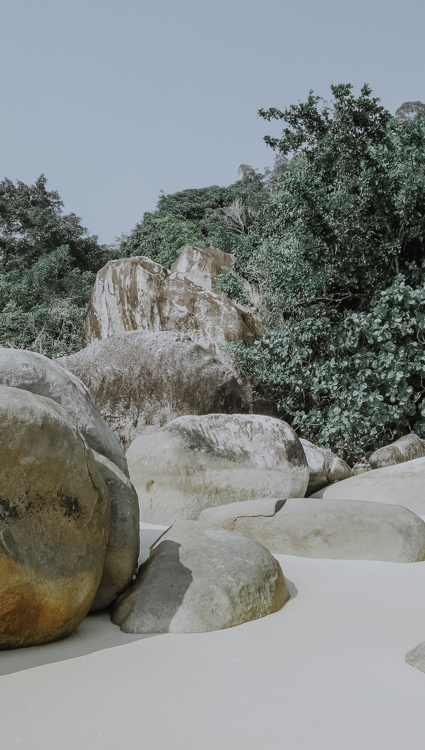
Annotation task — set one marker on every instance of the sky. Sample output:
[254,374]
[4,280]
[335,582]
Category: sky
[115,101]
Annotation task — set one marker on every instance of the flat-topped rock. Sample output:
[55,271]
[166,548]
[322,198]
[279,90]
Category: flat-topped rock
[199,579]
[196,462]
[139,379]
[403,484]
[331,529]
[202,265]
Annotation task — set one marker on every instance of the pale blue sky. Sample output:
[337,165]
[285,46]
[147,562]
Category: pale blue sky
[114,101]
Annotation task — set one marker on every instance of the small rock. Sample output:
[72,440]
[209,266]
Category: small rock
[406,448]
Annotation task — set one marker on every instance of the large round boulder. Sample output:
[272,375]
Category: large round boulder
[402,484]
[37,374]
[332,529]
[196,462]
[123,548]
[54,521]
[199,579]
[140,378]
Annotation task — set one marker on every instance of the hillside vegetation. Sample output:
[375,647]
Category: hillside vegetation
[333,236]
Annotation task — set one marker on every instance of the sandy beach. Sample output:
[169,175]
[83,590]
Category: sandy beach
[326,671]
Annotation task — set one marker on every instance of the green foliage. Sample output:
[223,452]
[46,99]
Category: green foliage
[340,263]
[47,270]
[200,217]
[229,283]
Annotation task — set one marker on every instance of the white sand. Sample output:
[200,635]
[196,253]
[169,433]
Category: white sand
[326,672]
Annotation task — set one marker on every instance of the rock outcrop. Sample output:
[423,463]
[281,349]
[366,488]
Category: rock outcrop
[122,551]
[332,529]
[202,265]
[324,467]
[406,448]
[37,374]
[403,484]
[139,294]
[138,379]
[200,579]
[196,462]
[54,521]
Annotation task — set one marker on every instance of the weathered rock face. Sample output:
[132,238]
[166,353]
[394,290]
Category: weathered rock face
[140,378]
[123,547]
[202,265]
[138,294]
[54,521]
[200,579]
[37,374]
[324,466]
[194,463]
[403,484]
[407,448]
[332,529]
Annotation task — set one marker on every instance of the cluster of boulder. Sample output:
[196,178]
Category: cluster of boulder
[235,487]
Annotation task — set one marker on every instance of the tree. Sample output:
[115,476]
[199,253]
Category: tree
[47,269]
[410,111]
[342,264]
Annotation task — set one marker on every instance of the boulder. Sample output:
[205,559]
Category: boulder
[37,374]
[331,529]
[202,265]
[406,448]
[196,462]
[139,294]
[142,378]
[123,548]
[402,484]
[54,521]
[324,466]
[416,657]
[199,579]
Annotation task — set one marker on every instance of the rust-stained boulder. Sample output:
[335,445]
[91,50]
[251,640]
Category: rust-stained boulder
[139,294]
[139,379]
[37,374]
[194,463]
[54,521]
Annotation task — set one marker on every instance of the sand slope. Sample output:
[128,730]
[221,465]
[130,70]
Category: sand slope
[327,671]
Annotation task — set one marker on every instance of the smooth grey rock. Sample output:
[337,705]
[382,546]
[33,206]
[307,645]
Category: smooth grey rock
[403,484]
[406,448]
[416,657]
[37,374]
[138,294]
[123,547]
[200,579]
[332,529]
[54,521]
[197,462]
[140,378]
[324,466]
[345,530]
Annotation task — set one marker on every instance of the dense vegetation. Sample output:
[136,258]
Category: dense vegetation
[333,236]
[47,269]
